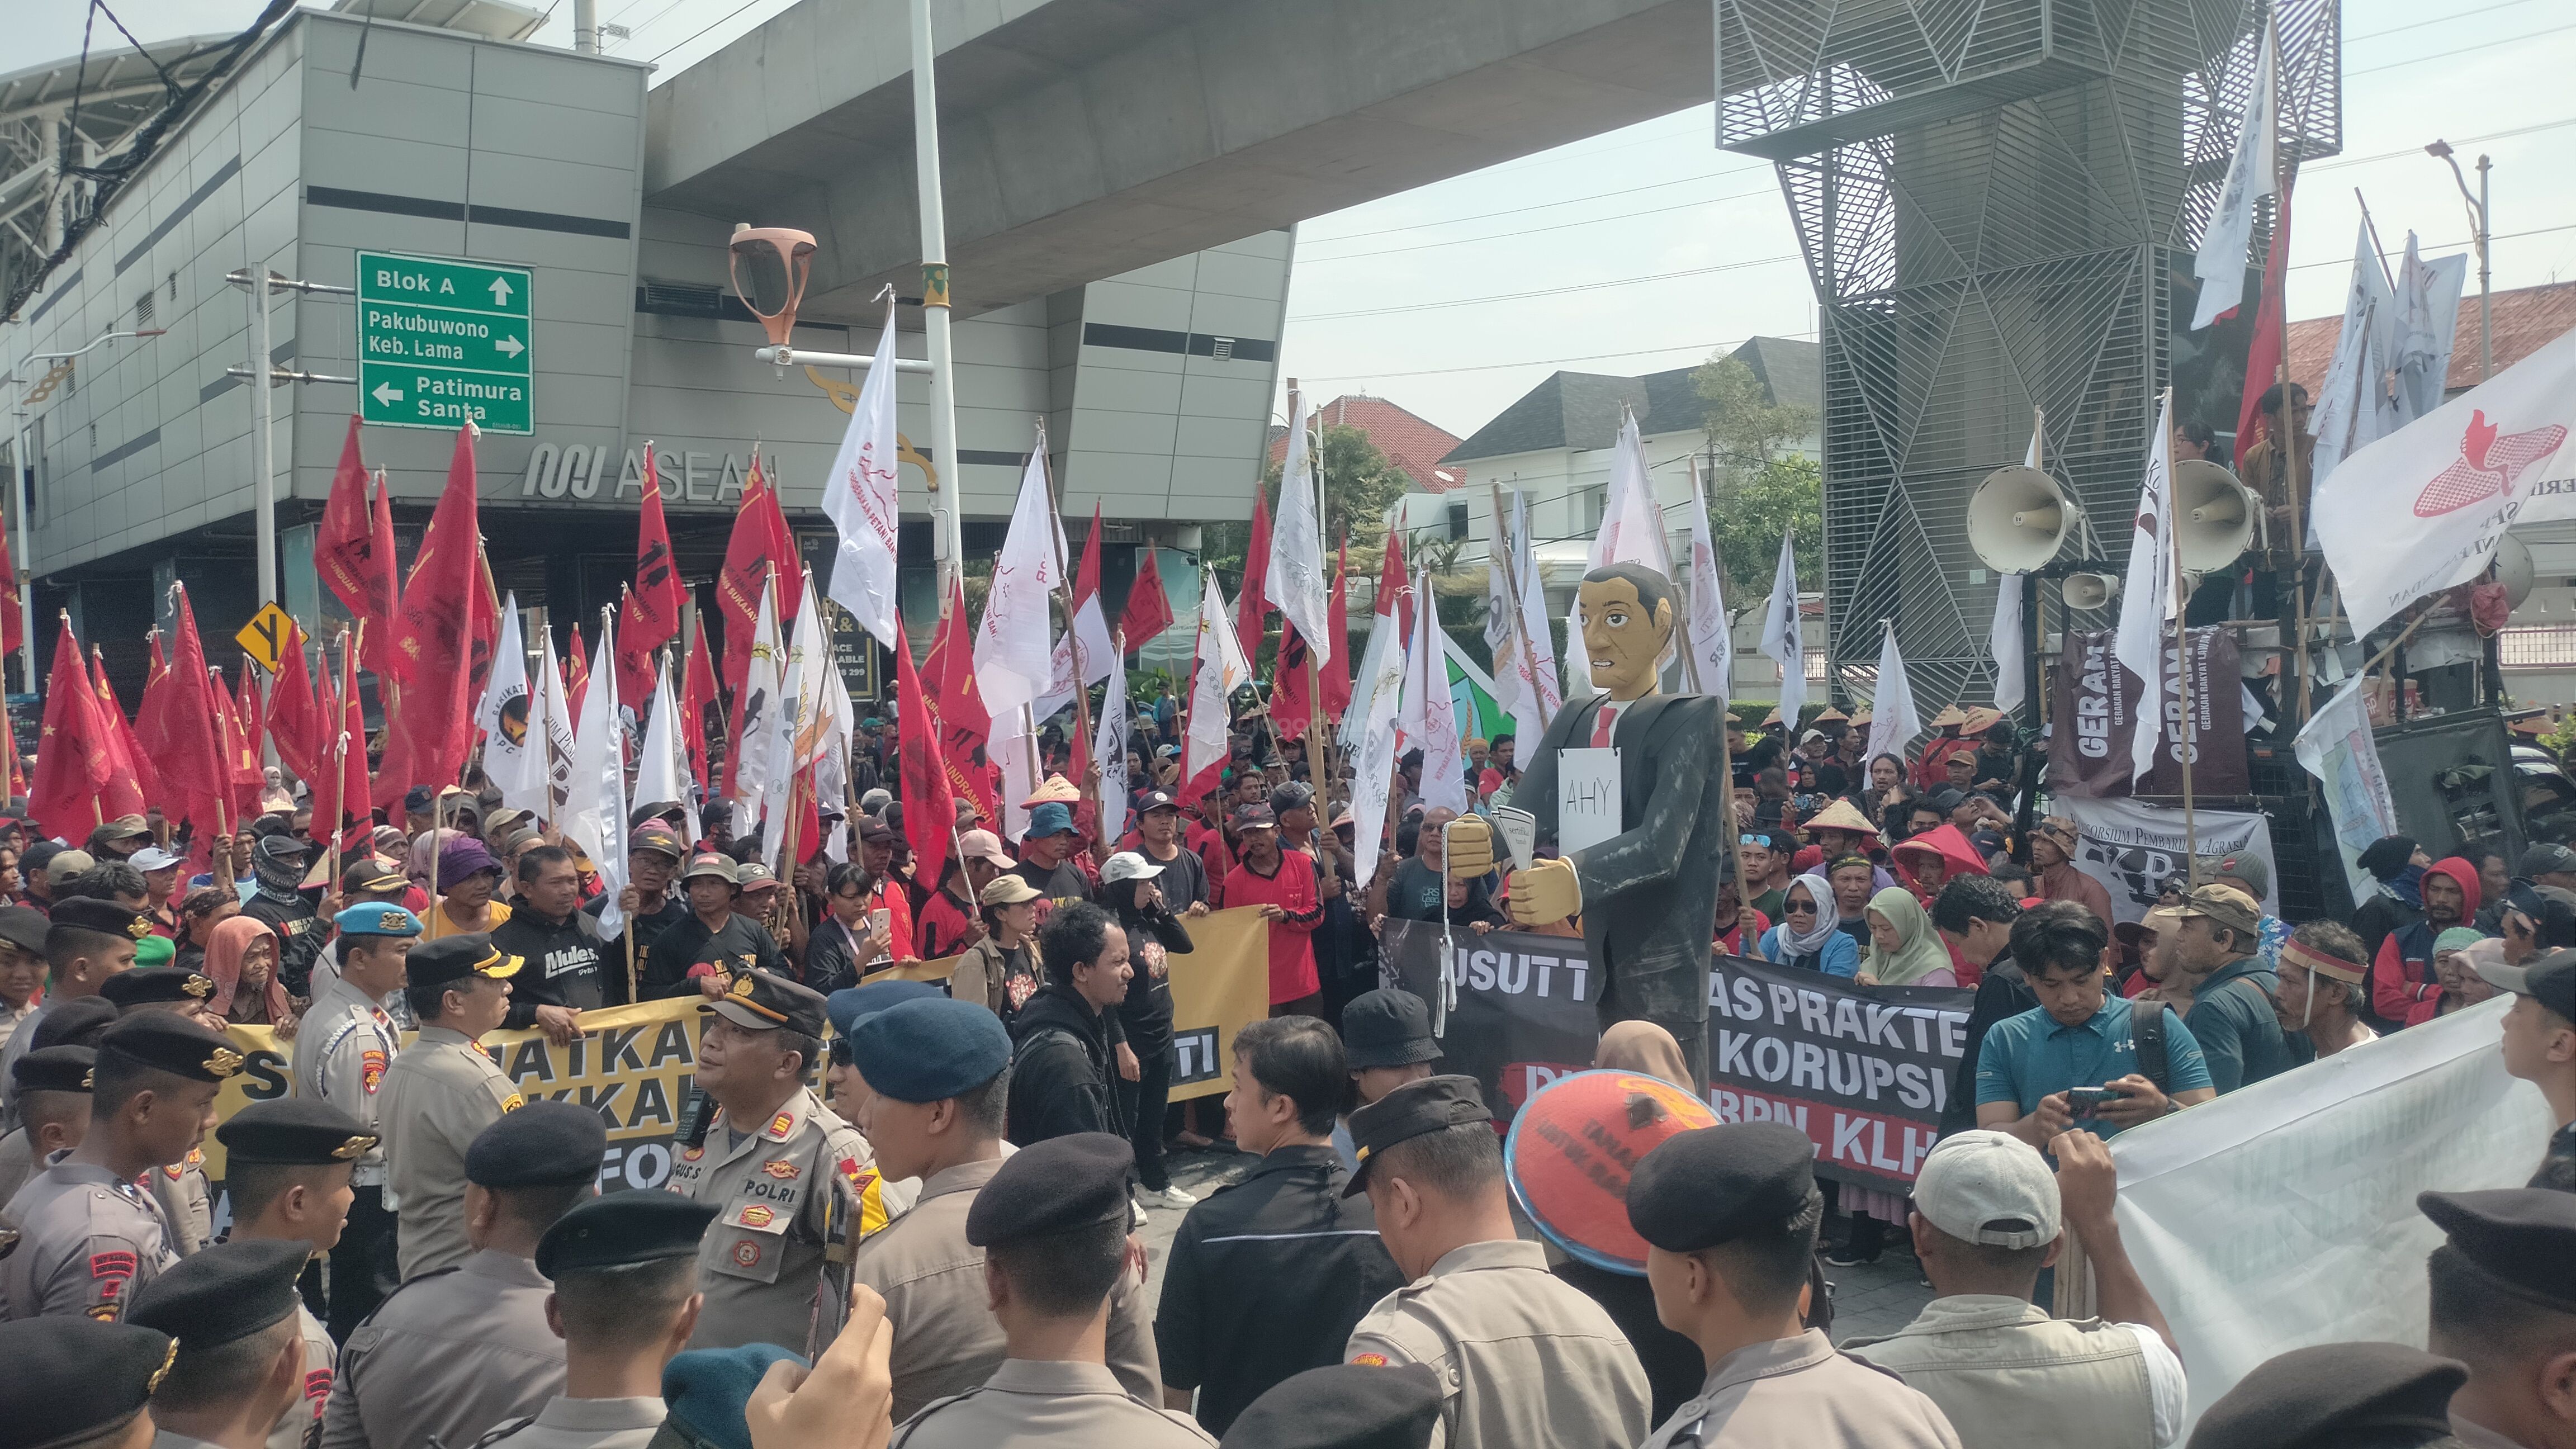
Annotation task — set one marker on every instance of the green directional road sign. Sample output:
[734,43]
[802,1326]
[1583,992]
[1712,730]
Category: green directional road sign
[442,340]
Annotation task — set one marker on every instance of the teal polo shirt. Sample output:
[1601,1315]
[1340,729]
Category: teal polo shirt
[2244,1040]
[2032,1055]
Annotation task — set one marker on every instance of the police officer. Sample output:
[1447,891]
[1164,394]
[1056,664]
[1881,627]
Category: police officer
[241,1368]
[789,1179]
[2328,1395]
[86,942]
[26,1146]
[187,1199]
[625,1270]
[934,1077]
[1729,1214]
[1343,1406]
[286,1168]
[90,1236]
[459,1350]
[1053,1224]
[2503,1302]
[440,1092]
[1523,1357]
[343,1051]
[74,1382]
[53,1097]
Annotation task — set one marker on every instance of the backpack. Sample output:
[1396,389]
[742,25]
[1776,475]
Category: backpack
[2147,1035]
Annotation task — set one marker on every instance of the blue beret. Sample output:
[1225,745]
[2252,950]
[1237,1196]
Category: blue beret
[930,1050]
[850,1004]
[543,1144]
[377,920]
[706,1388]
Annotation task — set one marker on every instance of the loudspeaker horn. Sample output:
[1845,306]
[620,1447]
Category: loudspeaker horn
[2019,518]
[2513,569]
[2091,591]
[2213,515]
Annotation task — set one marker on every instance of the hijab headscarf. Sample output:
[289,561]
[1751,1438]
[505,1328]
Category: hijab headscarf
[1813,939]
[1643,1047]
[225,947]
[1918,951]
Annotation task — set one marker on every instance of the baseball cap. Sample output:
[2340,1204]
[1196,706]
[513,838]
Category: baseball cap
[985,845]
[1153,800]
[1989,1188]
[2551,980]
[1255,817]
[2224,904]
[1128,865]
[659,839]
[2244,867]
[713,863]
[2547,858]
[66,864]
[1007,890]
[369,875]
[151,858]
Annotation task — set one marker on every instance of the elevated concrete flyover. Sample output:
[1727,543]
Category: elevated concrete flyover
[1083,138]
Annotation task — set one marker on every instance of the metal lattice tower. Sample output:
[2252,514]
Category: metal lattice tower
[1999,201]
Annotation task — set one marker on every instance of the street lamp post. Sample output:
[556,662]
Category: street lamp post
[2480,232]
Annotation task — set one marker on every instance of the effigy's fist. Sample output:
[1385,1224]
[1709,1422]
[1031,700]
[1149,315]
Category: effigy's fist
[1467,844]
[1546,893]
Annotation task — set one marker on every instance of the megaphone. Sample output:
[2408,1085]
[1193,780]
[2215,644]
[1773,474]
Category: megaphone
[2213,515]
[2091,591]
[2513,569]
[2019,518]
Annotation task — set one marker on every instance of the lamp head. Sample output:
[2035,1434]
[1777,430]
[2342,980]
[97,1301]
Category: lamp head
[2441,149]
[781,258]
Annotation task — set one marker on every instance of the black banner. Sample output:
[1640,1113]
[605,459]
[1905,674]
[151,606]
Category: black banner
[2094,700]
[1862,1070]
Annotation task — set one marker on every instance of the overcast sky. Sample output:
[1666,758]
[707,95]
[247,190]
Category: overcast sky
[1648,248]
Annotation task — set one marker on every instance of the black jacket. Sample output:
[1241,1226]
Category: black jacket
[300,935]
[567,965]
[1060,1070]
[1147,1012]
[2004,992]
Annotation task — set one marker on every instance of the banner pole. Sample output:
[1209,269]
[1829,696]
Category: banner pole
[2182,668]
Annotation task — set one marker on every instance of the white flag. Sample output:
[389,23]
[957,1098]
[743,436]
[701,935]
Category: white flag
[1712,637]
[1381,648]
[859,497]
[832,767]
[1893,722]
[662,771]
[755,715]
[1083,656]
[799,697]
[1221,671]
[550,711]
[1430,718]
[1782,637]
[2147,594]
[1109,747]
[2005,643]
[594,818]
[1296,578]
[514,739]
[2424,508]
[2428,314]
[2353,407]
[2221,263]
[1632,522]
[1376,697]
[1014,662]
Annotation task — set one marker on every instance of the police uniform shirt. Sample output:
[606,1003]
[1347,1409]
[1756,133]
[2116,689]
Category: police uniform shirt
[1800,1391]
[187,1201]
[87,1240]
[1075,1405]
[343,1051]
[321,1355]
[439,1092]
[17,1162]
[449,1356]
[797,1184]
[946,1339]
[1523,1358]
[570,1423]
[19,1044]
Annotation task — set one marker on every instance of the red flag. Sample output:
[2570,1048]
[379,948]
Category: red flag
[295,718]
[782,547]
[72,756]
[1086,577]
[355,788]
[749,554]
[156,699]
[242,734]
[965,726]
[931,812]
[1250,608]
[1337,670]
[577,673]
[13,631]
[376,650]
[1392,587]
[352,553]
[450,626]
[697,696]
[2264,358]
[125,793]
[650,617]
[1291,705]
[181,735]
[1149,609]
[17,772]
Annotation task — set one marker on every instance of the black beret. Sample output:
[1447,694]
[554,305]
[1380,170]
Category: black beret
[77,1022]
[1343,1406]
[543,1144]
[23,927]
[147,985]
[2522,1238]
[929,1050]
[72,1378]
[167,1042]
[218,1294]
[53,1069]
[623,1227]
[1054,1186]
[453,958]
[1716,1184]
[294,1132]
[760,1001]
[107,918]
[1410,1111]
[2332,1394]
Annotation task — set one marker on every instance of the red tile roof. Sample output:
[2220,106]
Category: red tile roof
[1409,442]
[2525,318]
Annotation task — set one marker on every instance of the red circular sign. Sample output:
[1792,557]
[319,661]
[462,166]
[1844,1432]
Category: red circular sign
[1571,1150]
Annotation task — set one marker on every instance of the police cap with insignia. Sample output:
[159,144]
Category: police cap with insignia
[77,1022]
[1343,1406]
[455,958]
[1428,1105]
[156,985]
[53,1069]
[294,1132]
[2522,1240]
[543,1144]
[930,1050]
[760,1001]
[623,1228]
[72,1378]
[103,918]
[168,1042]
[1717,1184]
[226,1292]
[23,927]
[1054,1186]
[372,876]
[2386,1395]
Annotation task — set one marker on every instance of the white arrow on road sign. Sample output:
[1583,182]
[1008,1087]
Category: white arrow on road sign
[509,347]
[388,394]
[500,291]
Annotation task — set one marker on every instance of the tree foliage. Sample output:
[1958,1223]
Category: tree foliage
[1754,490]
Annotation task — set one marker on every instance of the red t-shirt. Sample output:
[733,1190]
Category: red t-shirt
[944,923]
[1292,943]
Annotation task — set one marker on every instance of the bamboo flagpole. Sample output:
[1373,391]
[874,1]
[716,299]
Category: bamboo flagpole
[2182,671]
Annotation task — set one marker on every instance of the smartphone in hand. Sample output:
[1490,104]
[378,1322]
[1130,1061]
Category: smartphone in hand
[2083,1102]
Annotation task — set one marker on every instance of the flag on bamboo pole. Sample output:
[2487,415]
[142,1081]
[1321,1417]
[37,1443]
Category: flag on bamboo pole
[73,757]
[1430,718]
[662,772]
[238,713]
[1149,608]
[957,708]
[2147,603]
[577,673]
[832,768]
[126,761]
[753,553]
[1085,655]
[515,755]
[594,815]
[755,726]
[2251,174]
[1893,720]
[2266,357]
[1783,638]
[1370,730]
[450,629]
[355,786]
[1292,705]
[1712,636]
[1252,606]
[1293,576]
[1218,670]
[2428,312]
[294,723]
[650,615]
[353,554]
[550,712]
[377,642]
[697,696]
[1337,669]
[1014,657]
[184,735]
[799,684]
[925,769]
[149,710]
[860,498]
[1395,588]
[1109,750]
[2353,407]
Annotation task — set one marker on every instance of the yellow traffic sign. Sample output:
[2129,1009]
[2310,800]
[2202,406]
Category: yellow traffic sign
[264,637]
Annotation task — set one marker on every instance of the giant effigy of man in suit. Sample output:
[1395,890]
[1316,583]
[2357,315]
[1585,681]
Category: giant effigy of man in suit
[1648,895]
